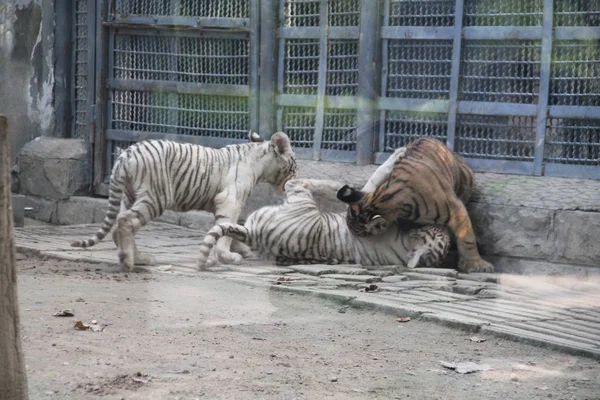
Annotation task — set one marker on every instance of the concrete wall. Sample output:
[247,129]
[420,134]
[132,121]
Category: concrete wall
[27,69]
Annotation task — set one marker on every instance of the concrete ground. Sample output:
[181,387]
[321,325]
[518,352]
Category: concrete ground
[178,334]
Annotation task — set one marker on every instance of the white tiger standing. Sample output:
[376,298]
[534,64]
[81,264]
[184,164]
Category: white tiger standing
[297,232]
[157,175]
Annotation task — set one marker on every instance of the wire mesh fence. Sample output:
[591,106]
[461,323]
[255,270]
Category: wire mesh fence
[510,85]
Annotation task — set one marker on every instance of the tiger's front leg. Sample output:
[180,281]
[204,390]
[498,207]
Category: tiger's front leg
[460,224]
[227,209]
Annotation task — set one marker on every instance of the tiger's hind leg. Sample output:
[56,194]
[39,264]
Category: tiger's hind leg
[227,209]
[241,248]
[139,257]
[128,223]
[284,261]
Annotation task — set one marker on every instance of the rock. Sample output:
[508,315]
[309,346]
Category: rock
[53,168]
[333,379]
[576,237]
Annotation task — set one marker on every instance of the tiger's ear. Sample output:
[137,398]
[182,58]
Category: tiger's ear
[349,195]
[254,137]
[281,142]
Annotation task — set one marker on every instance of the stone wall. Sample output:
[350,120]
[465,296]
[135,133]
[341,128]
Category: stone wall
[27,69]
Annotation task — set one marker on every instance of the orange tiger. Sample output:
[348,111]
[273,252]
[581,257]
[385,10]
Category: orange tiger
[429,184]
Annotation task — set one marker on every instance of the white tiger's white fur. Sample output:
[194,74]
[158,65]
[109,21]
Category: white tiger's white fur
[157,175]
[297,232]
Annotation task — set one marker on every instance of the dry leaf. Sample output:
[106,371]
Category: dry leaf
[79,325]
[477,339]
[465,367]
[403,319]
[64,313]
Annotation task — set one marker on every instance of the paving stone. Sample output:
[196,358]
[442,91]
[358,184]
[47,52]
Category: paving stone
[480,277]
[447,272]
[564,313]
[354,278]
[394,278]
[571,345]
[426,277]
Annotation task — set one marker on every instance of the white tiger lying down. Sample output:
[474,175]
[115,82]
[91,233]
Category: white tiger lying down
[297,232]
[157,175]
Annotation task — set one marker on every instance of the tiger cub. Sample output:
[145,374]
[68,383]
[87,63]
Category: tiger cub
[297,232]
[429,184]
[157,175]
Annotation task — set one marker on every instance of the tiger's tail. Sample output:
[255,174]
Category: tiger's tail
[115,193]
[237,232]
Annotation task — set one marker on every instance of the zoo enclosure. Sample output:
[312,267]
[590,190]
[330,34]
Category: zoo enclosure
[511,85]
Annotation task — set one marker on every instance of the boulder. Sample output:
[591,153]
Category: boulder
[53,168]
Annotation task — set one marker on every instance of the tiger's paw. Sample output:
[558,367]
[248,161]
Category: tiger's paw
[144,259]
[477,265]
[227,257]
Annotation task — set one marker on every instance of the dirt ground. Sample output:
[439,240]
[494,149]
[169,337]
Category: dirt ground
[180,337]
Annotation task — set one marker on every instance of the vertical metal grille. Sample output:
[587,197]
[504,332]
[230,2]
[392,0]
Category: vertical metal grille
[301,70]
[421,13]
[80,84]
[419,68]
[184,59]
[575,74]
[343,12]
[577,13]
[503,12]
[500,72]
[302,13]
[299,124]
[402,127]
[573,141]
[192,8]
[339,131]
[496,137]
[342,67]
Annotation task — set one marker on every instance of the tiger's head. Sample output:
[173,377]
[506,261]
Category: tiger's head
[282,165]
[362,218]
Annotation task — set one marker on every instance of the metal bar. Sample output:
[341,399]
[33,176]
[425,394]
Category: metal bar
[177,22]
[178,87]
[345,102]
[367,82]
[574,112]
[64,67]
[544,88]
[500,166]
[455,73]
[398,104]
[303,153]
[137,136]
[297,100]
[110,73]
[268,65]
[489,108]
[314,32]
[74,70]
[100,46]
[384,76]
[572,171]
[416,32]
[339,156]
[320,113]
[577,33]
[253,61]
[91,73]
[502,32]
[216,34]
